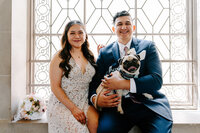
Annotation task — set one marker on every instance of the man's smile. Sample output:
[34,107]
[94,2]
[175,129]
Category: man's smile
[124,32]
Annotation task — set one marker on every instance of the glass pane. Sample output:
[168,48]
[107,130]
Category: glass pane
[99,22]
[171,47]
[153,16]
[42,48]
[42,91]
[180,49]
[42,13]
[181,96]
[56,44]
[40,73]
[178,16]
[177,72]
[100,39]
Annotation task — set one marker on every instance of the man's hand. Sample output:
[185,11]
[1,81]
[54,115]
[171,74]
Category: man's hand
[114,82]
[108,101]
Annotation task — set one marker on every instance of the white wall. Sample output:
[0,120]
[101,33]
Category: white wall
[18,52]
[13,38]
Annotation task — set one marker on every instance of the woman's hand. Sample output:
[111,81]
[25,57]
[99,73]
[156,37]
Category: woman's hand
[79,115]
[99,46]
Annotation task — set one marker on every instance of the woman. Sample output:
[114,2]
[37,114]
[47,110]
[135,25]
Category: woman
[71,71]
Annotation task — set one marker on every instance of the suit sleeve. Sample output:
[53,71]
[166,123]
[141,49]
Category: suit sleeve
[151,80]
[96,80]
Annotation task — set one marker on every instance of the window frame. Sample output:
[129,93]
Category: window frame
[192,39]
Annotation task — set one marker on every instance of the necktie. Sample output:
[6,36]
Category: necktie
[125,50]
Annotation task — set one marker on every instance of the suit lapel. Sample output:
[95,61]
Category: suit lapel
[115,51]
[134,44]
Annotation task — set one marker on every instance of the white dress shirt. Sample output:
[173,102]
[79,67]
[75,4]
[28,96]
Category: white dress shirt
[122,53]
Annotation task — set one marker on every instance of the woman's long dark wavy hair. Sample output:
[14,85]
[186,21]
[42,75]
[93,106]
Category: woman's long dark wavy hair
[66,47]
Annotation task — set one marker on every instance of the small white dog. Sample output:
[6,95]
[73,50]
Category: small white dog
[129,67]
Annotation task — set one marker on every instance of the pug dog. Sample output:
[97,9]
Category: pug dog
[129,67]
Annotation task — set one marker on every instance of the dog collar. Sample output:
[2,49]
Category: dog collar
[126,75]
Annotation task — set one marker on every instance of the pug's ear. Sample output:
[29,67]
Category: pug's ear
[138,56]
[131,51]
[142,55]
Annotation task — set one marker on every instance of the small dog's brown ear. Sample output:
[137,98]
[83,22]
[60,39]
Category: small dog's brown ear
[138,56]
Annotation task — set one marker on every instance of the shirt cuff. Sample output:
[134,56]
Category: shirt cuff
[92,97]
[132,86]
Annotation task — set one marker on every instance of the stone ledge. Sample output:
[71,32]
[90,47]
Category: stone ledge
[179,117]
[40,121]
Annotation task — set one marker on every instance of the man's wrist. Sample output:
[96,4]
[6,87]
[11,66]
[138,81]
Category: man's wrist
[132,86]
[91,98]
[125,84]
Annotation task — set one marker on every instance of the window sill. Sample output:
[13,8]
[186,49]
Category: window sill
[179,117]
[41,121]
[186,116]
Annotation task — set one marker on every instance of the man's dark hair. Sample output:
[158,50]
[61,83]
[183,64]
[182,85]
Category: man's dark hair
[120,14]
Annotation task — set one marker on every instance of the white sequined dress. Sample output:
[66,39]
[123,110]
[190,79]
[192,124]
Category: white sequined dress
[76,86]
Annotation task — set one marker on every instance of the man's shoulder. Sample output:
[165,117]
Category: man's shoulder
[108,47]
[146,42]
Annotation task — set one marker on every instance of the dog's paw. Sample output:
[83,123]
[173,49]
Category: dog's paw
[149,96]
[120,110]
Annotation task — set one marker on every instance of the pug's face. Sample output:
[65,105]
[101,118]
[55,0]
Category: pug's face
[130,63]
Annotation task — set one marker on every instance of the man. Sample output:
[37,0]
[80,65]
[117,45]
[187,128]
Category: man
[150,115]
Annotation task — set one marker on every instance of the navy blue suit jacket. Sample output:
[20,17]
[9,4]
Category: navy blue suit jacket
[148,81]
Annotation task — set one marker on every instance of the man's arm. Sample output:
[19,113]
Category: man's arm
[103,100]
[96,80]
[149,83]
[152,80]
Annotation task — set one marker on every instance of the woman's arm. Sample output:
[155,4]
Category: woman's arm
[56,74]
